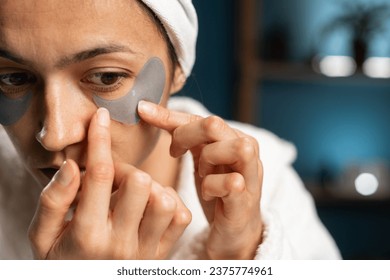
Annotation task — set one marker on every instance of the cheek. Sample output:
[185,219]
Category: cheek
[133,144]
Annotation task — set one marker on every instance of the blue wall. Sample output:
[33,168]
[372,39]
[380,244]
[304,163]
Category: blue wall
[212,81]
[331,124]
[361,232]
[302,21]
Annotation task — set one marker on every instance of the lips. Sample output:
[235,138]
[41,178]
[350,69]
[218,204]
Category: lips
[51,171]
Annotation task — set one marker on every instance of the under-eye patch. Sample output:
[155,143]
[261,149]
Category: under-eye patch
[148,85]
[11,110]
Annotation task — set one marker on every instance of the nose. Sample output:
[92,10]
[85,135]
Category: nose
[64,120]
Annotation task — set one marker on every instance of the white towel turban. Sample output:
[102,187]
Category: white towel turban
[181,23]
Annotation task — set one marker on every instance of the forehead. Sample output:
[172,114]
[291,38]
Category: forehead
[60,9]
[40,13]
[55,27]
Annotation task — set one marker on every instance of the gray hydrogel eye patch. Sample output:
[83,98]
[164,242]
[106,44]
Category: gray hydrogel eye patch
[149,85]
[11,110]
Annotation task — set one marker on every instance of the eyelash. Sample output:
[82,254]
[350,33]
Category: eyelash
[105,88]
[15,90]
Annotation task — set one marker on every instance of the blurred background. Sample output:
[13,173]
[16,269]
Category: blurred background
[316,73]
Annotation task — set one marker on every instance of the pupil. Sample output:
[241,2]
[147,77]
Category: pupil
[18,79]
[109,78]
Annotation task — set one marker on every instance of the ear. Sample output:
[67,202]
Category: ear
[178,81]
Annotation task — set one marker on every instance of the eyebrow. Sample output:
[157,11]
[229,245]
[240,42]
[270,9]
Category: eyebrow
[8,55]
[87,54]
[74,58]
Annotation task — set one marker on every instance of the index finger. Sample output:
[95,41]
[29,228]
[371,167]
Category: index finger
[164,118]
[99,174]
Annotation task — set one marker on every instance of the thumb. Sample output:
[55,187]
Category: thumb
[163,118]
[53,206]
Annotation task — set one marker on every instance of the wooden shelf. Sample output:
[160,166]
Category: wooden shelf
[300,72]
[380,205]
[332,197]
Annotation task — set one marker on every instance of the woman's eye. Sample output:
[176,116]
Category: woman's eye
[16,84]
[16,79]
[105,79]
[110,84]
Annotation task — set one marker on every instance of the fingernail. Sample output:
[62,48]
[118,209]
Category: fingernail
[103,117]
[147,108]
[64,176]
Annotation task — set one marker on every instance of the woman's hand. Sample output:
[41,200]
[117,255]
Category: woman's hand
[121,212]
[228,175]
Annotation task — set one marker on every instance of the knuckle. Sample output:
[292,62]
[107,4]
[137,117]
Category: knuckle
[183,217]
[255,143]
[101,172]
[246,148]
[213,124]
[47,199]
[165,117]
[140,181]
[194,118]
[167,204]
[122,253]
[163,201]
[235,183]
[141,177]
[90,242]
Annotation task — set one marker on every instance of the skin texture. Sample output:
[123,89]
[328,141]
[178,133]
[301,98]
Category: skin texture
[110,172]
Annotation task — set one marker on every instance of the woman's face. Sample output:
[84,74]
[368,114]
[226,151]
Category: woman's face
[63,52]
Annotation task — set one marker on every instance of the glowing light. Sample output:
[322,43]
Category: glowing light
[377,67]
[337,66]
[366,184]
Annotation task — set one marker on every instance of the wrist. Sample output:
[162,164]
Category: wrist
[237,246]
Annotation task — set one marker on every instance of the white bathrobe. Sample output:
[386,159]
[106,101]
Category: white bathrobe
[292,227]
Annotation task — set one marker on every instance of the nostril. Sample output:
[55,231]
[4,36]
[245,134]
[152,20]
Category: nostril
[40,135]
